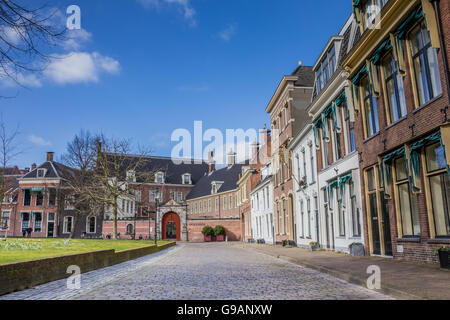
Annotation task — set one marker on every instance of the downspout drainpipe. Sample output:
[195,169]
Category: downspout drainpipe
[443,48]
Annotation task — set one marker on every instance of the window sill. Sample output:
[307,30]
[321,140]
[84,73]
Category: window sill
[395,123]
[439,241]
[428,103]
[372,137]
[413,240]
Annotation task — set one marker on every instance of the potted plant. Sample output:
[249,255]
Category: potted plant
[208,233]
[443,254]
[220,232]
[314,246]
[357,250]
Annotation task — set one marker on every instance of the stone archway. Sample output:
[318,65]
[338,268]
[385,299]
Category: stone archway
[178,209]
[171,226]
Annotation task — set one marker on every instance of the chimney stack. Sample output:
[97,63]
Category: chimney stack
[231,158]
[264,136]
[211,162]
[255,150]
[33,166]
[50,156]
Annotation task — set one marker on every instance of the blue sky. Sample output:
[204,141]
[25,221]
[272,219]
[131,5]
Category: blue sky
[142,68]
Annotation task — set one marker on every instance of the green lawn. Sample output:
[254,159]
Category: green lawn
[19,250]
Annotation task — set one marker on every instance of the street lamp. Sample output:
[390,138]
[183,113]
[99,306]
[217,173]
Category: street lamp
[156,216]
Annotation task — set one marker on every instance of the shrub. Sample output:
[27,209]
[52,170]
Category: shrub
[208,231]
[444,248]
[220,231]
[313,244]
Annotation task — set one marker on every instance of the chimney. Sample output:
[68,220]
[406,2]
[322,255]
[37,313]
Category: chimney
[50,156]
[264,136]
[231,158]
[255,150]
[211,162]
[33,166]
[299,63]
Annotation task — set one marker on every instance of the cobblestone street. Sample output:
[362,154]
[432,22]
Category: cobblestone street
[202,272]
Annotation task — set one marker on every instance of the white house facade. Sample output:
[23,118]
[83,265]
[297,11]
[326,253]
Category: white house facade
[332,111]
[262,208]
[306,202]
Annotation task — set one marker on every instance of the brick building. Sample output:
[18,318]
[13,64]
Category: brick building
[43,205]
[170,183]
[287,109]
[213,201]
[399,79]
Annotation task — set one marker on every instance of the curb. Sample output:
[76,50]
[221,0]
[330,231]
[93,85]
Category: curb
[392,292]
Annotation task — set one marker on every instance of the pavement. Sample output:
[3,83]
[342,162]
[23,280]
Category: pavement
[216,271]
[399,279]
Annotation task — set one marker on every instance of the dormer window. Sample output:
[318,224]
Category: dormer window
[187,178]
[41,173]
[159,177]
[215,186]
[326,69]
[131,175]
[370,11]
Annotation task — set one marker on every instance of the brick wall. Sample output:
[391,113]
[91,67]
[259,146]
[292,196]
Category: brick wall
[232,226]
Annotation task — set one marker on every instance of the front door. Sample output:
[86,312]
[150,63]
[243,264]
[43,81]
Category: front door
[171,227]
[171,231]
[386,227]
[50,230]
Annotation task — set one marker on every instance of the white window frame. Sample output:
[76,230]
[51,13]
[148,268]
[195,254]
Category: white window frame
[88,225]
[65,225]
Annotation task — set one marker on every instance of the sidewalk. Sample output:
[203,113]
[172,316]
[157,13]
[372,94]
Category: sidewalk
[399,279]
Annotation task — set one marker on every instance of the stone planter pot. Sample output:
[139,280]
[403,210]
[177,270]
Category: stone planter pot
[220,238]
[314,248]
[208,238]
[357,250]
[443,259]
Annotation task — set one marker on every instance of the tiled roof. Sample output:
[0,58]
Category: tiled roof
[229,177]
[305,76]
[53,170]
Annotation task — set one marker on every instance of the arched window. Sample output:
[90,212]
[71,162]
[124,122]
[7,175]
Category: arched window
[91,224]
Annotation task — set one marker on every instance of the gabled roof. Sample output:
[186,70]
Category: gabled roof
[229,177]
[173,172]
[53,170]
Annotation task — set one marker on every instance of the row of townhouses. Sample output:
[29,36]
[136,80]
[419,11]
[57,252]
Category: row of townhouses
[358,153]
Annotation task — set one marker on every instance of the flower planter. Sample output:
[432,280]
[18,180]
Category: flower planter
[314,248]
[208,238]
[443,259]
[220,238]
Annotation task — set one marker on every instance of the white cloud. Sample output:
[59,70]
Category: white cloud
[39,141]
[79,67]
[228,32]
[183,5]
[76,39]
[11,35]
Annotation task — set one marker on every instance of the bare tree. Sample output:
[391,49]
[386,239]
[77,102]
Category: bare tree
[26,33]
[81,155]
[106,170]
[9,150]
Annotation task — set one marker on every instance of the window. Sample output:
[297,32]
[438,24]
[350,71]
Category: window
[26,197]
[407,201]
[200,208]
[180,197]
[341,217]
[172,195]
[39,199]
[52,197]
[153,195]
[299,174]
[356,223]
[350,131]
[231,202]
[302,220]
[217,204]
[25,220]
[308,217]
[313,172]
[326,70]
[41,173]
[138,194]
[68,226]
[426,69]
[278,217]
[209,205]
[159,177]
[187,179]
[51,217]
[326,150]
[285,216]
[371,9]
[395,93]
[91,224]
[337,143]
[196,208]
[224,203]
[268,197]
[4,223]
[304,165]
[439,188]
[37,221]
[370,114]
[130,229]
[205,206]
